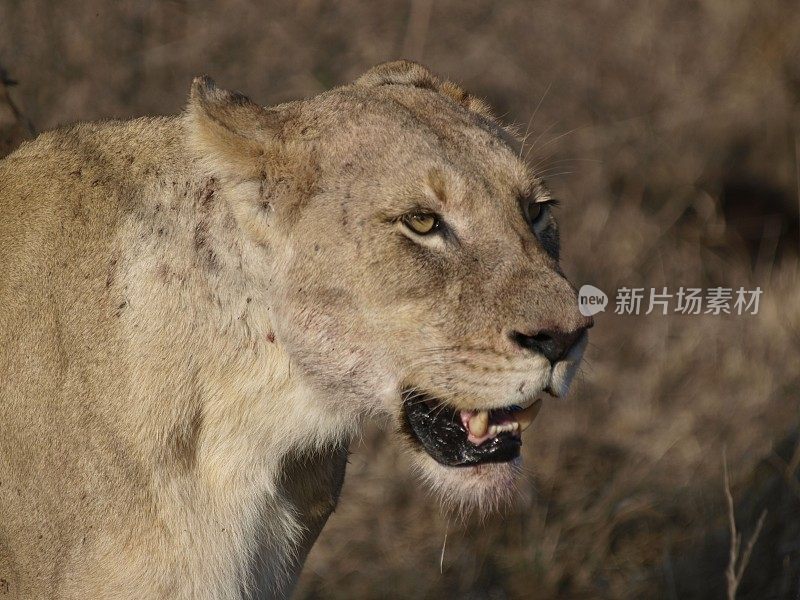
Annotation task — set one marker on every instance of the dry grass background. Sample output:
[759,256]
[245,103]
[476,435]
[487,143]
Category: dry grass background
[670,130]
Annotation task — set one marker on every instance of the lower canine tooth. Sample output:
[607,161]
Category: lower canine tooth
[527,416]
[479,424]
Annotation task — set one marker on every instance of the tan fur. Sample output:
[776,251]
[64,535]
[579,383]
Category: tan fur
[198,312]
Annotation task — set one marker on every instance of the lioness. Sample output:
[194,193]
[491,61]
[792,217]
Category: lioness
[197,314]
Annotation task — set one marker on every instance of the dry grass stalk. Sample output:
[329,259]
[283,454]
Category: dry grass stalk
[736,563]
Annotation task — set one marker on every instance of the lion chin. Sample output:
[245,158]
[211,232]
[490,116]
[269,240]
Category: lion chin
[480,489]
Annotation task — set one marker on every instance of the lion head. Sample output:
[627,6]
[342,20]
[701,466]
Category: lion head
[409,261]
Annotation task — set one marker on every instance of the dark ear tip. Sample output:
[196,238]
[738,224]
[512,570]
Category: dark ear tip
[206,92]
[202,87]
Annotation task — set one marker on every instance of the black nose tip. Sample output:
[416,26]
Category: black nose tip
[553,344]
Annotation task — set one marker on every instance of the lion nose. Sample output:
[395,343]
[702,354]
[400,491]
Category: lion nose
[553,343]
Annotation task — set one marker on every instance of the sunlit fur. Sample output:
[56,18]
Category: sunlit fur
[197,313]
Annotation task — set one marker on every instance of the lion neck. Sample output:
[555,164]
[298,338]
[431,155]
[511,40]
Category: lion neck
[220,409]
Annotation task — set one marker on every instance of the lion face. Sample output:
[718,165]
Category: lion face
[413,268]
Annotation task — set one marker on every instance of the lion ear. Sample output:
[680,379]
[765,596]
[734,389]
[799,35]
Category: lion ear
[406,72]
[233,134]
[399,72]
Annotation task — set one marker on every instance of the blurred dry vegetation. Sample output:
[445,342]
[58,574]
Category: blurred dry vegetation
[670,129]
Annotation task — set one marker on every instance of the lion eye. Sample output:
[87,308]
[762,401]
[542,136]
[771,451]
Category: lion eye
[421,223]
[533,210]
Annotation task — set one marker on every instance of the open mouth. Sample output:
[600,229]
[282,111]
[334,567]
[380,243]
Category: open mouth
[462,438]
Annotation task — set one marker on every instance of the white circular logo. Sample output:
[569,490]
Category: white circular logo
[591,300]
